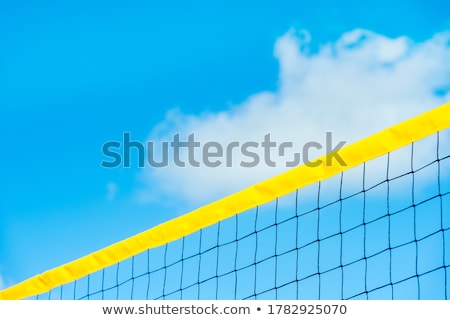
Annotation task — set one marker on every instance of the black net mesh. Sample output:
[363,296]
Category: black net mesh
[378,231]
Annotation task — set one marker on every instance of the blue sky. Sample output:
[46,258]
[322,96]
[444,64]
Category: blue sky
[74,75]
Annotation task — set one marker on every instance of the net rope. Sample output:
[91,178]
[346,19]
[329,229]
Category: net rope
[377,228]
[386,240]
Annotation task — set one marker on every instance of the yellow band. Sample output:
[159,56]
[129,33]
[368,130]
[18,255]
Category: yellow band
[355,154]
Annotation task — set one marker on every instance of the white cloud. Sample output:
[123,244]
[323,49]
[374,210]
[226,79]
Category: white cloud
[2,283]
[353,87]
[112,190]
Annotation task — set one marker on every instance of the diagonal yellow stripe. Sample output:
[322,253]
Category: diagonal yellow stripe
[355,154]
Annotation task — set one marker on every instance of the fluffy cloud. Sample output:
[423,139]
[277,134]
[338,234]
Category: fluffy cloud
[2,283]
[353,87]
[112,190]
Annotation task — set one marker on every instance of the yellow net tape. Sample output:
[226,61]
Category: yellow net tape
[355,154]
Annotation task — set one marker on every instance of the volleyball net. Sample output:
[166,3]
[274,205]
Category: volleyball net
[376,228]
